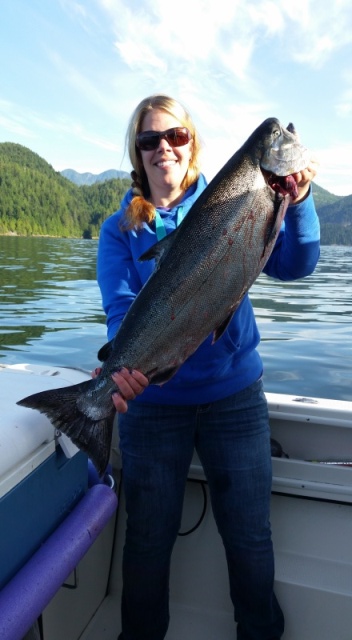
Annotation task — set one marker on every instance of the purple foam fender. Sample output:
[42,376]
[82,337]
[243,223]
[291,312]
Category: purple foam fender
[23,599]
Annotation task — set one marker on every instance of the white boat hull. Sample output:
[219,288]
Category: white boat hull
[312,532]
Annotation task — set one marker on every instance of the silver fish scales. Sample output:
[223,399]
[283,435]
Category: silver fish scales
[203,270]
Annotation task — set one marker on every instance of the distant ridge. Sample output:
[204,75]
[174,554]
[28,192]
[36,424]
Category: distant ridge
[37,200]
[91,178]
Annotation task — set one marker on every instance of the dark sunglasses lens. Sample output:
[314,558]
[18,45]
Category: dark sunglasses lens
[149,140]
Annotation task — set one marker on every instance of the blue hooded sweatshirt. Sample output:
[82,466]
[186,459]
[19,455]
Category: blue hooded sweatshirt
[217,370]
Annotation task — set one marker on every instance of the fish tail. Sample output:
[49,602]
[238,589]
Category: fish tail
[62,408]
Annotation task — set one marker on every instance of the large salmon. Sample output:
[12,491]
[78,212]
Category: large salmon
[204,268]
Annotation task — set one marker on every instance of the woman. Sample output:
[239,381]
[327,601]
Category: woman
[215,402]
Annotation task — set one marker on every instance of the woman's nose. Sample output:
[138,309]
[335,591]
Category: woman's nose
[163,144]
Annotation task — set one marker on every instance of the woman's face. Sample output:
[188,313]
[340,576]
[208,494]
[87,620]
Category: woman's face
[165,166]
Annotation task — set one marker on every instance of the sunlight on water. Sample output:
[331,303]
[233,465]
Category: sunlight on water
[50,302]
[51,313]
[306,329]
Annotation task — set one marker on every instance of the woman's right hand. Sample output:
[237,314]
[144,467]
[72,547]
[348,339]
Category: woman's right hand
[130,384]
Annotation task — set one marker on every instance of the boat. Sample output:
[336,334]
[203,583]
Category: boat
[62,528]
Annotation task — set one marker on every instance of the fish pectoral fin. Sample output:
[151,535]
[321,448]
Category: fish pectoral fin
[159,249]
[218,332]
[159,377]
[105,351]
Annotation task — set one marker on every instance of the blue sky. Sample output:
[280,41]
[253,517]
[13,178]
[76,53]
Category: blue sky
[73,71]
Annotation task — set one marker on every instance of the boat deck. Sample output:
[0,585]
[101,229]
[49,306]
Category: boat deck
[311,519]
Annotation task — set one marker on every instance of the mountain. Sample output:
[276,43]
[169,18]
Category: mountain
[323,198]
[91,178]
[37,200]
[335,215]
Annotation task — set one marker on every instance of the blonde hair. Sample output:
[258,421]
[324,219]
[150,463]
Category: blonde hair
[140,209]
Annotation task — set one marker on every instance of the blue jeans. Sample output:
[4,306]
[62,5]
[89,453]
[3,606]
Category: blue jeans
[232,439]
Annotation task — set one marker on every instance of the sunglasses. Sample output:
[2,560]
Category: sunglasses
[175,137]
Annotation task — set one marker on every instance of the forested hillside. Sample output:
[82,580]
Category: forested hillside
[335,214]
[37,200]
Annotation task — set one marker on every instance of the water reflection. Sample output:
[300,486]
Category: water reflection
[325,296]
[51,313]
[306,332]
[47,285]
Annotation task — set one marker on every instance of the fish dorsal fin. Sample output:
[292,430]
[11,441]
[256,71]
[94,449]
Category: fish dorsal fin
[160,249]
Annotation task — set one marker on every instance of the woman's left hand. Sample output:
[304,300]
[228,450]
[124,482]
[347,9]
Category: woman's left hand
[130,384]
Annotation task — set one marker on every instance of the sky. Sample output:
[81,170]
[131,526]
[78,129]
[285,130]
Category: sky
[73,71]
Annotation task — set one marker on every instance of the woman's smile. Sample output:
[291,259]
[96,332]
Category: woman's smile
[165,166]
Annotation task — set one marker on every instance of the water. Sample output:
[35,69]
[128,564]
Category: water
[50,306]
[51,313]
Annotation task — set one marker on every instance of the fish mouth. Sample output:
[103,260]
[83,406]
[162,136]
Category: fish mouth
[284,157]
[284,185]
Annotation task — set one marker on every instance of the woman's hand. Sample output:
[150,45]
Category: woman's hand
[303,179]
[130,384]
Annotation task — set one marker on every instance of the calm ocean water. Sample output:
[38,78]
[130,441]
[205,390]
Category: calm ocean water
[51,313]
